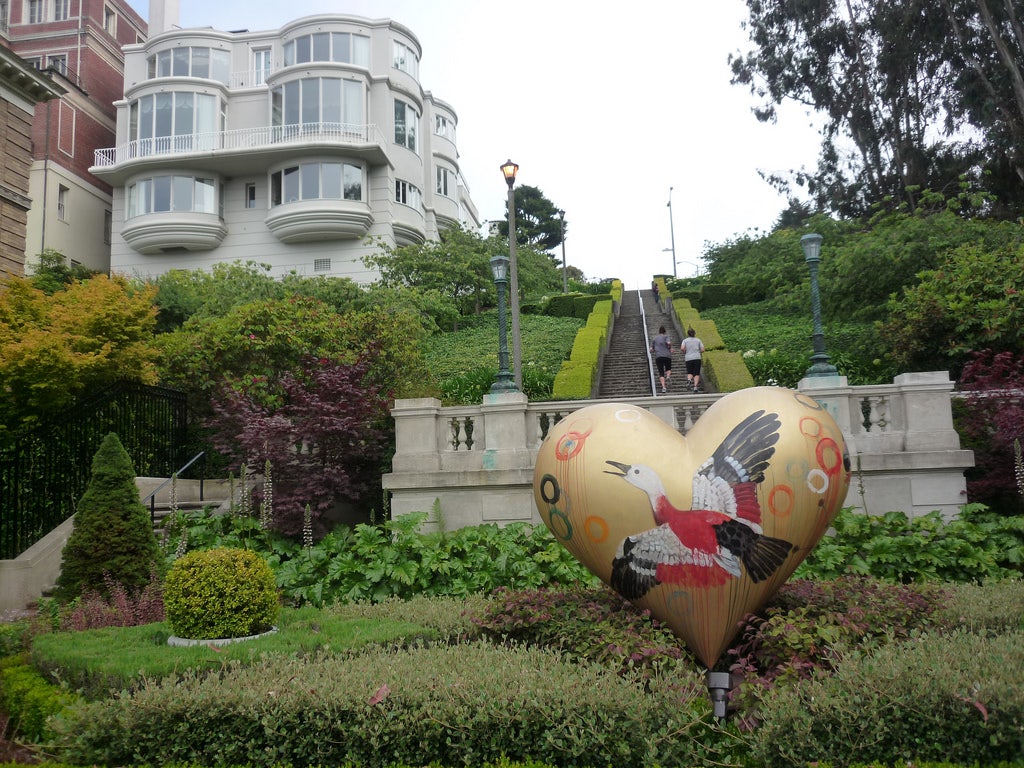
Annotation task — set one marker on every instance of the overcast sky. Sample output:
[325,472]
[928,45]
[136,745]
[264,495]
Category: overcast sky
[603,112]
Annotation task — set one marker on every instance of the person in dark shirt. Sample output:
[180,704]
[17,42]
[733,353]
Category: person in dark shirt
[661,348]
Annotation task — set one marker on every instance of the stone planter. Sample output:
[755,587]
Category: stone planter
[184,641]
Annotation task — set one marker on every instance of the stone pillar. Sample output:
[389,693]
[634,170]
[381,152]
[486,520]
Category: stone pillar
[416,448]
[833,394]
[505,434]
[928,412]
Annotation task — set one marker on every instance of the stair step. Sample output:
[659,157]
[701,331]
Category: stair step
[627,370]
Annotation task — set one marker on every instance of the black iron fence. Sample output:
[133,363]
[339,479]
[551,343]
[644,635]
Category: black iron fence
[43,473]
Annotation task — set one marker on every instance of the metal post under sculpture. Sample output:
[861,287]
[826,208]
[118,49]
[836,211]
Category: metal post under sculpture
[509,170]
[820,365]
[504,381]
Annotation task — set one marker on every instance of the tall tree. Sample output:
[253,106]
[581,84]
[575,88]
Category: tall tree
[889,80]
[537,220]
[986,49]
[455,267]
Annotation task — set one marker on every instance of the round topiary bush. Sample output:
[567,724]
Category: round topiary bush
[220,593]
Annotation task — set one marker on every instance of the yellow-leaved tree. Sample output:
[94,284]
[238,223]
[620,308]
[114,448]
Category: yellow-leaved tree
[54,348]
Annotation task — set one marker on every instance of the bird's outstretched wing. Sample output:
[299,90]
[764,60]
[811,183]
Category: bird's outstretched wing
[761,555]
[658,556]
[726,481]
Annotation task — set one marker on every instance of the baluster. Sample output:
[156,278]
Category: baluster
[455,428]
[880,413]
[468,428]
[544,424]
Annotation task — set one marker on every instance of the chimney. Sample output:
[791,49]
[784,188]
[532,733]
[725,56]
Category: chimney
[164,15]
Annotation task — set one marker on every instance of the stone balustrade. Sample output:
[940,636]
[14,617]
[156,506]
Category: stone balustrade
[477,462]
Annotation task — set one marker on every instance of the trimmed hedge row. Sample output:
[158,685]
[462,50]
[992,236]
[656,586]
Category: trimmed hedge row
[575,379]
[459,705]
[956,697]
[727,371]
[578,305]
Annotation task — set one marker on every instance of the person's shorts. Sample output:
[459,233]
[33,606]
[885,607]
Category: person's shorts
[664,364]
[693,367]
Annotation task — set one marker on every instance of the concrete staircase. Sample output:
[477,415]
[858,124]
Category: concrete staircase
[627,368]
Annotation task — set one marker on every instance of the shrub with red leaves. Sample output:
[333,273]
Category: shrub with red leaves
[990,419]
[324,440]
[120,607]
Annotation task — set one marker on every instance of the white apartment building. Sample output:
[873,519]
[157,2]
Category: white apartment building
[301,148]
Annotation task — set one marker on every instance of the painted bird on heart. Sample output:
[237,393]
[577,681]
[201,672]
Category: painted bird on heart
[720,536]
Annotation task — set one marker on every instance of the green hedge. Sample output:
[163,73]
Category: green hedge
[720,295]
[561,305]
[957,697]
[588,345]
[706,332]
[574,380]
[727,371]
[690,295]
[583,304]
[28,699]
[459,705]
[601,315]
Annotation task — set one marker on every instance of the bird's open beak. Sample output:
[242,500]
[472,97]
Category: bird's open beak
[623,468]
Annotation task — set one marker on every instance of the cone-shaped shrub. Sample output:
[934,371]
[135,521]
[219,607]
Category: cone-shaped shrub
[112,531]
[222,592]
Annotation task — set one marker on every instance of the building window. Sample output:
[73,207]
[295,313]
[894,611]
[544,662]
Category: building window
[323,103]
[316,181]
[261,64]
[173,122]
[34,11]
[321,265]
[408,194]
[110,21]
[191,61]
[61,10]
[62,202]
[58,64]
[343,47]
[406,124]
[250,195]
[406,60]
[445,182]
[162,194]
[4,15]
[445,127]
[108,226]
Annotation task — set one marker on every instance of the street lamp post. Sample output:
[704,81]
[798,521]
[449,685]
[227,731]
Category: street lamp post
[509,170]
[503,382]
[672,232]
[561,236]
[820,365]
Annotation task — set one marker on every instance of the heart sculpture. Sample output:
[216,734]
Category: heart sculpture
[701,530]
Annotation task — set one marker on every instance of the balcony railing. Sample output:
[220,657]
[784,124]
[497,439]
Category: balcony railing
[240,140]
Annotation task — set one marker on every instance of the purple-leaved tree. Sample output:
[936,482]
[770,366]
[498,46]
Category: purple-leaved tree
[325,439]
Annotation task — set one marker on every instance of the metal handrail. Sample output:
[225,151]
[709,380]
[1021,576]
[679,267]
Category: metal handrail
[647,344]
[151,498]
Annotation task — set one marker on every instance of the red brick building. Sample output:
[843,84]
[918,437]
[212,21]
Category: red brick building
[78,43]
[21,89]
